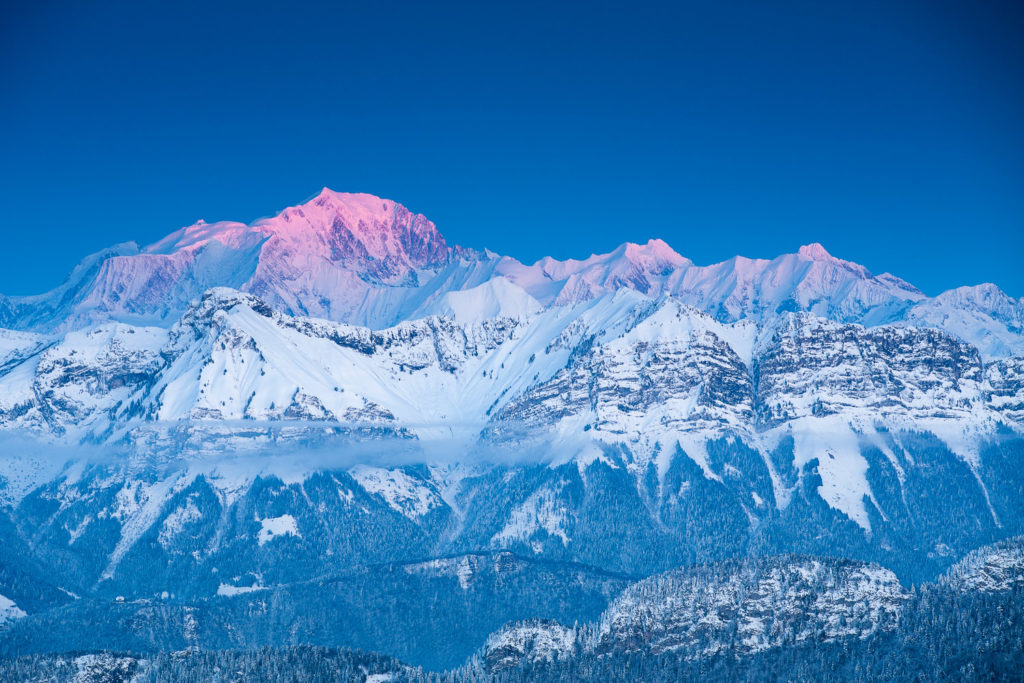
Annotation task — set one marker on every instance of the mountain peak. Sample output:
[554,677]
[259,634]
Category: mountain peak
[377,237]
[815,252]
[657,250]
[353,202]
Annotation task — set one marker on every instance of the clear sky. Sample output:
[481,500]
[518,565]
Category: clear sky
[892,132]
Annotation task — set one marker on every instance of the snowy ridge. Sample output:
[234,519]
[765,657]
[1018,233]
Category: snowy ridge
[363,260]
[654,376]
[982,315]
[698,612]
[800,597]
[528,642]
[998,567]
[403,493]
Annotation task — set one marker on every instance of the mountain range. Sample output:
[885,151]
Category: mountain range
[279,410]
[366,261]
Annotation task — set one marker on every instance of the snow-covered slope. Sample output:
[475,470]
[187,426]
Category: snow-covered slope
[9,611]
[624,366]
[496,298]
[204,415]
[649,435]
[530,642]
[983,316]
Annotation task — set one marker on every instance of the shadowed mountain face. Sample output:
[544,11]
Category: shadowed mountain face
[332,415]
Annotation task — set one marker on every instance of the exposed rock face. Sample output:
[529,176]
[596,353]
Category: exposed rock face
[79,379]
[1005,380]
[670,371]
[318,258]
[623,366]
[809,366]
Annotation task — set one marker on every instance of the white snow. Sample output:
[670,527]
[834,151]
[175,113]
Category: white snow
[226,589]
[9,611]
[231,375]
[997,567]
[403,493]
[496,298]
[534,641]
[274,527]
[796,601]
[462,568]
[842,468]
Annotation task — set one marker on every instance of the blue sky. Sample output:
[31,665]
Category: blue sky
[890,132]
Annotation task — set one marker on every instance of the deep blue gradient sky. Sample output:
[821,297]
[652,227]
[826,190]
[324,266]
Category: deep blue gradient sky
[892,132]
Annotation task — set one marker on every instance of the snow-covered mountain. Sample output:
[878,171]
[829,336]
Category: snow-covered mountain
[651,375]
[615,359]
[982,315]
[359,259]
[323,258]
[528,423]
[240,411]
